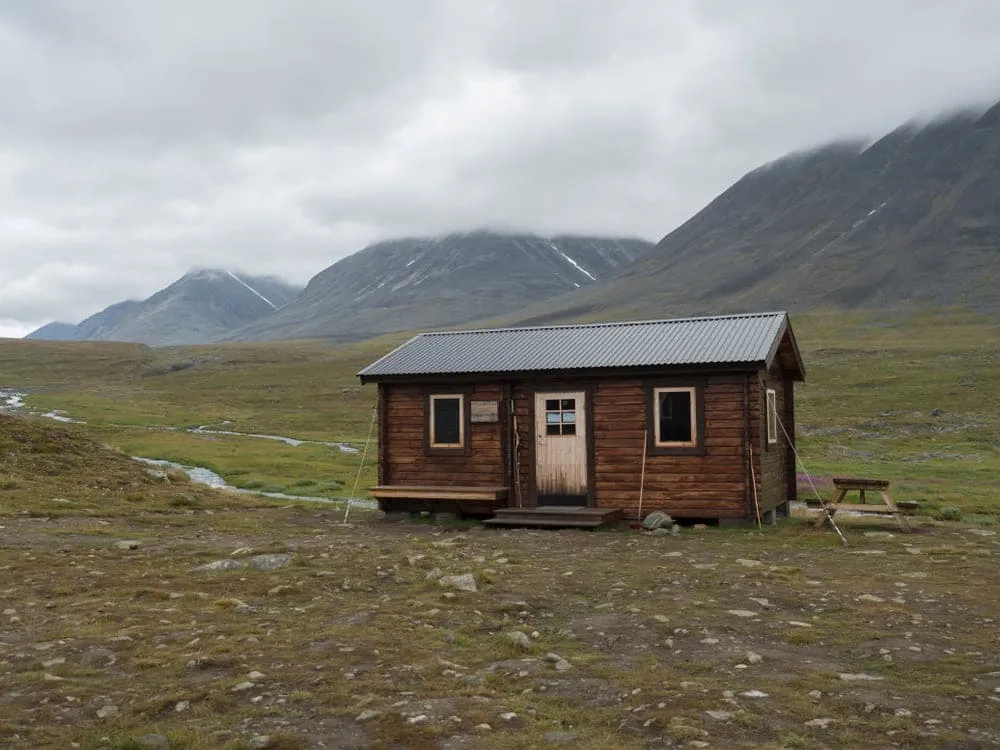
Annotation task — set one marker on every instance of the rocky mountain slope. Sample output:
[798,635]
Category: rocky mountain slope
[420,283]
[198,307]
[911,218]
[54,331]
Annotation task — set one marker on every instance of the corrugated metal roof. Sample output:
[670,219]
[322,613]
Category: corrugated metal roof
[726,339]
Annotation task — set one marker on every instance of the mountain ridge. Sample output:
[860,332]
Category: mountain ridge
[203,304]
[908,218]
[439,281]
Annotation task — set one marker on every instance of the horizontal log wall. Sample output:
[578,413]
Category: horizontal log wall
[770,459]
[405,457]
[708,486]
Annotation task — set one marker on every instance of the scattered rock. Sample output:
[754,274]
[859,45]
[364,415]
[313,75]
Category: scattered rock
[560,663]
[259,742]
[858,677]
[107,712]
[753,658]
[749,563]
[270,562]
[870,598]
[153,741]
[243,687]
[434,573]
[815,694]
[483,727]
[508,716]
[126,544]
[255,675]
[903,712]
[820,723]
[656,520]
[665,531]
[366,715]
[182,706]
[219,565]
[754,694]
[741,613]
[464,582]
[519,639]
[720,715]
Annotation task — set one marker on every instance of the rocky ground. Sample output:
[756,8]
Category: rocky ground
[286,628]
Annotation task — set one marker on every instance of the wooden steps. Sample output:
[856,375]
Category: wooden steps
[556,517]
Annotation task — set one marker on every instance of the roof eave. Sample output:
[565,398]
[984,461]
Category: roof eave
[799,373]
[591,372]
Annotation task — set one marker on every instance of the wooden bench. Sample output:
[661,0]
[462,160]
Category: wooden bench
[463,501]
[843,485]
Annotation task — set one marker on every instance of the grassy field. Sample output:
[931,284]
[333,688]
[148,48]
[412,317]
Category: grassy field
[911,397]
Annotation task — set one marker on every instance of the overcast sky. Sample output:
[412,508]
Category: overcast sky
[141,139]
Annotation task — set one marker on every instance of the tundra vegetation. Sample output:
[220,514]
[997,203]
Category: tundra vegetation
[140,610]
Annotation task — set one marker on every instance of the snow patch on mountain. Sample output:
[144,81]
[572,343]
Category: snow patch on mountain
[577,266]
[241,281]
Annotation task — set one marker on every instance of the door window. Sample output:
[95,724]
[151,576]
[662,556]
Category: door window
[560,416]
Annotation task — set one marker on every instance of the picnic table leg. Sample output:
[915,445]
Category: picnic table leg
[831,507]
[896,512]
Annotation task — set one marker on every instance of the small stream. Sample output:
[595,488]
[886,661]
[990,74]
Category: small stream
[294,442]
[209,478]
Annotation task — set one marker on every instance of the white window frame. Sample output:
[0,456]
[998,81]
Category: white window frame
[693,442]
[431,439]
[772,416]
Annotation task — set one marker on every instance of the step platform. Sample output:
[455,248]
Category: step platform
[556,517]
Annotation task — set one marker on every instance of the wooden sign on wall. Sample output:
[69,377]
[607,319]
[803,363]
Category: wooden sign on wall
[484,411]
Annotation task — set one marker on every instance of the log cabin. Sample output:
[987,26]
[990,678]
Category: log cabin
[592,423]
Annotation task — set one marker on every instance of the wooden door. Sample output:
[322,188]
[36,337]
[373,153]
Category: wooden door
[561,448]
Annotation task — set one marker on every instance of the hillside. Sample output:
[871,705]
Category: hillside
[912,218]
[431,282]
[196,308]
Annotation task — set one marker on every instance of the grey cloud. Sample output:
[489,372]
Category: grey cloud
[140,139]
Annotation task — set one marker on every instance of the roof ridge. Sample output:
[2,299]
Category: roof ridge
[608,324]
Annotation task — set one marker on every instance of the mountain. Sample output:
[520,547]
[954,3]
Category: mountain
[420,283]
[197,308]
[54,331]
[912,218]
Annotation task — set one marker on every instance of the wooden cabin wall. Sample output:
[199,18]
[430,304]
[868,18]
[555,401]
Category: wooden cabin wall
[771,461]
[708,486]
[404,459]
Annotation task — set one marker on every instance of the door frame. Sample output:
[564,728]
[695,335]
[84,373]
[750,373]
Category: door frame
[589,389]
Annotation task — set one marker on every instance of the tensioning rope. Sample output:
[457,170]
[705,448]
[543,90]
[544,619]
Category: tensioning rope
[364,453]
[812,484]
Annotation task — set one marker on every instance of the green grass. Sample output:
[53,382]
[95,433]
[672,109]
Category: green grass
[873,383]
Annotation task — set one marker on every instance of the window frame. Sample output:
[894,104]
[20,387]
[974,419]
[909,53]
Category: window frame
[771,416]
[463,446]
[694,447]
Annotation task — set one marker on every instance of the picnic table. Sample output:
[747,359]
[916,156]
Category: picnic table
[843,485]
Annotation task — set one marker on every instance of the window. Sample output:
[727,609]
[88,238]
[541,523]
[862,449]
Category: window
[560,416]
[772,416]
[446,420]
[675,420]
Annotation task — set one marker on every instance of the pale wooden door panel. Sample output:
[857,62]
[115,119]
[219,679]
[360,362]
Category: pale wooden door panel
[561,448]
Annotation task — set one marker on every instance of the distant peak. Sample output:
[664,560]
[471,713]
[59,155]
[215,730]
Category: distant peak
[206,274]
